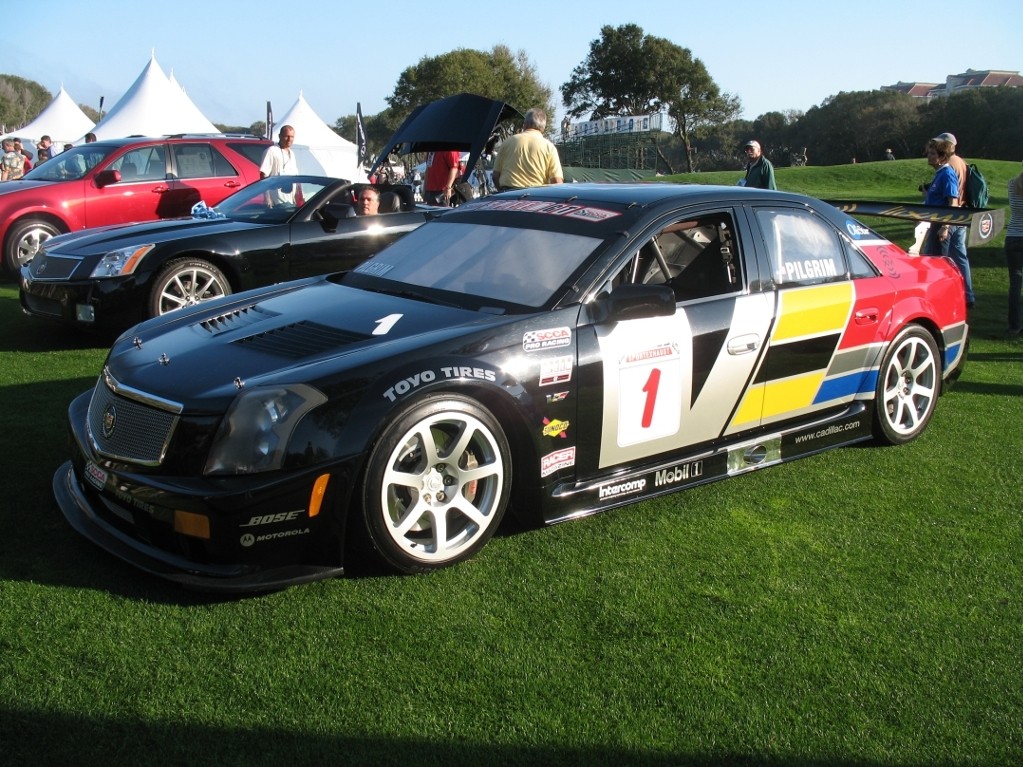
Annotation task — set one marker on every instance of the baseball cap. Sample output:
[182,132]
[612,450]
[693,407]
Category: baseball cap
[946,137]
[754,144]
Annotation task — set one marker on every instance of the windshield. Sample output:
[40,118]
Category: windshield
[72,164]
[270,201]
[493,263]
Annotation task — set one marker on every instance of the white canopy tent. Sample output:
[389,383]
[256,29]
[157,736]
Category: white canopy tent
[153,106]
[318,149]
[63,121]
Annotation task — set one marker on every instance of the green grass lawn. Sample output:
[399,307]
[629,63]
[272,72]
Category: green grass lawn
[861,607]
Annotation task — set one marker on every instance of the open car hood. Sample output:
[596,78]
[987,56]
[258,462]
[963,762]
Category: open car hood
[463,123]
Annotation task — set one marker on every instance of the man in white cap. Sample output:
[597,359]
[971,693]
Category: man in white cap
[759,171]
[955,245]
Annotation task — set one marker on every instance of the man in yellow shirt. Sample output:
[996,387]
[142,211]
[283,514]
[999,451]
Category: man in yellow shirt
[528,158]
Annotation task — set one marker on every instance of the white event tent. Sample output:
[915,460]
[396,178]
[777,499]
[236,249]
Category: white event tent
[62,120]
[318,149]
[153,106]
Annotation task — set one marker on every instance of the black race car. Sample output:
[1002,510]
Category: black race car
[559,351]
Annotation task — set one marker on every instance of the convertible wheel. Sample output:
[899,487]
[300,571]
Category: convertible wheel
[24,240]
[437,484]
[186,282]
[908,386]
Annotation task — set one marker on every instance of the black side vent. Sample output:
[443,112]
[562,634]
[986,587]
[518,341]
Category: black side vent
[239,318]
[303,339]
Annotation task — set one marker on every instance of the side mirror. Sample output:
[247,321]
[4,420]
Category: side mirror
[107,177]
[633,302]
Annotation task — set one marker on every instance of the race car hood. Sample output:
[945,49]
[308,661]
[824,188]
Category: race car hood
[463,123]
[100,240]
[309,331]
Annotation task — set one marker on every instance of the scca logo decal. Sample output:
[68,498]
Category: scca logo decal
[551,338]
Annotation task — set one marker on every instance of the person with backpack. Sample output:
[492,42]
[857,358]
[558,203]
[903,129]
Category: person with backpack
[1014,255]
[954,244]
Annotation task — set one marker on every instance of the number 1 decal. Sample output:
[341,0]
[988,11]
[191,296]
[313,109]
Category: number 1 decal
[651,397]
[384,324]
[649,393]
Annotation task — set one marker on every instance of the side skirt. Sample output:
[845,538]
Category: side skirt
[571,500]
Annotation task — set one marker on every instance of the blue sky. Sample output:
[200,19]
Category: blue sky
[231,56]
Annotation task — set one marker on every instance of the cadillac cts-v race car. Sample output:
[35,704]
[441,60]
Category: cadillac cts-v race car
[558,351]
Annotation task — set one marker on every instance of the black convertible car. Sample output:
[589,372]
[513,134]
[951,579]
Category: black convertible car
[559,351]
[277,229]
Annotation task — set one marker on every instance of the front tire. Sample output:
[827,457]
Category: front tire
[908,386]
[437,484]
[24,241]
[186,282]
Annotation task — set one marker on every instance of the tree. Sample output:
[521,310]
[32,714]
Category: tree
[858,124]
[21,101]
[629,73]
[986,122]
[91,112]
[378,129]
[615,79]
[499,75]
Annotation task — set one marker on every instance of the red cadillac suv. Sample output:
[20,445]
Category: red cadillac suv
[120,181]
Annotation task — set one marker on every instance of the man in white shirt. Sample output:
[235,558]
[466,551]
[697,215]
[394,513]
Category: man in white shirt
[279,160]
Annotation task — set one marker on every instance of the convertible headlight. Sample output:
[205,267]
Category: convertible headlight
[122,261]
[255,432]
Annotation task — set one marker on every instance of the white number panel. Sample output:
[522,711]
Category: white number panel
[643,376]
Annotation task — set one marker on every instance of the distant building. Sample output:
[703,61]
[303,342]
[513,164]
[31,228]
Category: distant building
[971,78]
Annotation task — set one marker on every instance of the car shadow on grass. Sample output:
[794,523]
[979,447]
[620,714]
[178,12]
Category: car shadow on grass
[44,737]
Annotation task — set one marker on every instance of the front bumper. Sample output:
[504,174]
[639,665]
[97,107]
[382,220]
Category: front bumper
[256,533]
[237,579]
[97,303]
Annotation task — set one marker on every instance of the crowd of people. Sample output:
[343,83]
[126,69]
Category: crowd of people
[17,159]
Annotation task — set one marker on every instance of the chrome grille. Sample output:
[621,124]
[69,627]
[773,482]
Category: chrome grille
[52,267]
[127,426]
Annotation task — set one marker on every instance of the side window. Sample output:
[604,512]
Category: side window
[803,249]
[697,257]
[200,161]
[859,264]
[142,164]
[221,165]
[252,151]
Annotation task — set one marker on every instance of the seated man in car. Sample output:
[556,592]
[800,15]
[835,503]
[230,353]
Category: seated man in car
[368,203]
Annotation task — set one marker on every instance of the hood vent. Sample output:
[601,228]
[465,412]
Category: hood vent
[239,318]
[302,339]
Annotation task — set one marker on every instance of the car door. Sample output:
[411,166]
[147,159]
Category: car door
[138,196]
[335,243]
[833,311]
[671,383]
[197,170]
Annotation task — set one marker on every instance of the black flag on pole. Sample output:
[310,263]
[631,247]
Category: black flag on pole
[360,134]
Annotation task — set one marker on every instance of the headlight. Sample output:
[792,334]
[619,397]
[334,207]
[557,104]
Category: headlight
[255,432]
[122,261]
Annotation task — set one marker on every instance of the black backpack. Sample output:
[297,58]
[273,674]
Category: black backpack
[976,188]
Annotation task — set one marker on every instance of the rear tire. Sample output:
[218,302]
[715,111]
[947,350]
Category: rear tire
[908,386]
[186,282]
[437,484]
